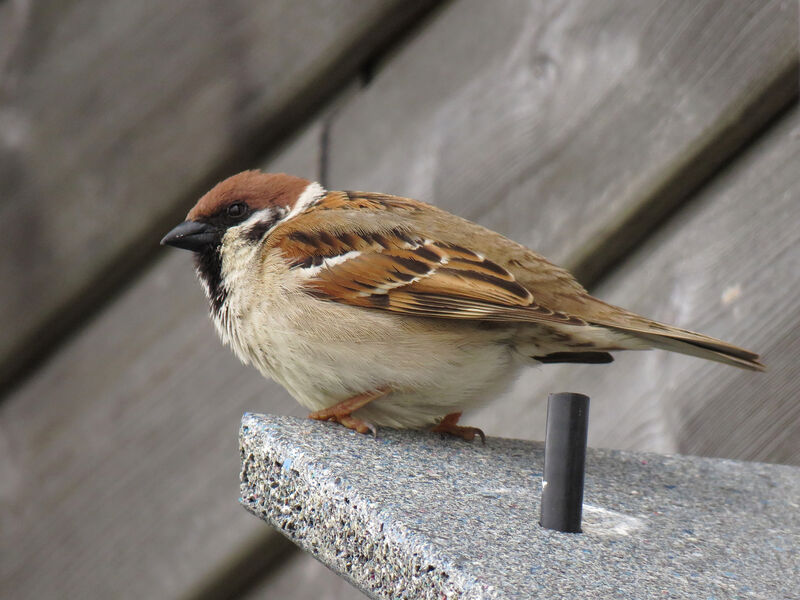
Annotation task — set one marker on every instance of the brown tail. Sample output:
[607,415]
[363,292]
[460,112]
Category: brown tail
[667,337]
[671,338]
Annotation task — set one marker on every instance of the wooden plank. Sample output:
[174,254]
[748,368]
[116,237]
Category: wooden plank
[304,577]
[117,465]
[575,128]
[572,126]
[119,461]
[726,266]
[114,115]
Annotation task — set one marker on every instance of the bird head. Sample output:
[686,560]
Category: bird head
[252,202]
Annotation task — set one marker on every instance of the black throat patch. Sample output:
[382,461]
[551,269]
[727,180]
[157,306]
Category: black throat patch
[209,269]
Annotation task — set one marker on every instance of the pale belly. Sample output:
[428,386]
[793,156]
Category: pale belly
[432,368]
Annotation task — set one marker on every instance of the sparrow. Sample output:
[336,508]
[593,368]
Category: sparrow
[377,310]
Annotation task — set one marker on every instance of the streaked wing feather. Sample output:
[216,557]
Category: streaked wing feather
[397,254]
[384,264]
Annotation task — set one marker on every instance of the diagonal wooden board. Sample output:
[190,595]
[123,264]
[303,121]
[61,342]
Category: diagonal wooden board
[304,577]
[129,417]
[728,266]
[115,114]
[119,461]
[571,126]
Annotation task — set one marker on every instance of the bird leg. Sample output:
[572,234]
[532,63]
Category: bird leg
[342,412]
[448,425]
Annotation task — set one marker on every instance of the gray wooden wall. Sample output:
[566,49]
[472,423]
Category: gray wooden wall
[651,146]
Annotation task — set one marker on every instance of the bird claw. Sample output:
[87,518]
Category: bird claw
[448,425]
[371,428]
[358,425]
[468,433]
[354,423]
[481,434]
[342,412]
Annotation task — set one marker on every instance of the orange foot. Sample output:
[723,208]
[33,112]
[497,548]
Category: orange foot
[448,425]
[341,413]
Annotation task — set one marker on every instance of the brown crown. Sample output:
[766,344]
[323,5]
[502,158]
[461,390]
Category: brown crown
[258,190]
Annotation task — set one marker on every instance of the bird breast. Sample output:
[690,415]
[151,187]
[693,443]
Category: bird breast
[324,352]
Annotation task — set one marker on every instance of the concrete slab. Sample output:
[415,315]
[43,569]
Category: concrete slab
[413,515]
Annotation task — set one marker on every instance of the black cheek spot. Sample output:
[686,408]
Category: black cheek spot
[257,231]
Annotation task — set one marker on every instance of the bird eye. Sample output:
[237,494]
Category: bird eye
[236,210]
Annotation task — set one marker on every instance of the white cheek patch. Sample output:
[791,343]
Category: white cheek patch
[263,222]
[263,215]
[259,224]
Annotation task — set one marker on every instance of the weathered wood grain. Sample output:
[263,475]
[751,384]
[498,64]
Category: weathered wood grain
[727,266]
[116,466]
[571,126]
[304,577]
[119,462]
[114,114]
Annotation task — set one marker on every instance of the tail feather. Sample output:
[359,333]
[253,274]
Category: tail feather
[667,337]
[695,344]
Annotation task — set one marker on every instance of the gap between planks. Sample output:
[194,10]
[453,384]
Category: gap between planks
[600,256]
[124,266]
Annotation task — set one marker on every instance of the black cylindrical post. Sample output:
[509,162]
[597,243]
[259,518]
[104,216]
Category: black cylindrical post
[564,460]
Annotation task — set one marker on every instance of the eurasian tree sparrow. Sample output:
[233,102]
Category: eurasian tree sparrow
[372,309]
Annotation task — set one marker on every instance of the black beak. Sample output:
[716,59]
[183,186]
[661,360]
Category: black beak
[192,235]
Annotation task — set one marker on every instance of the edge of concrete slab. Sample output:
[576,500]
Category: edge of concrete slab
[413,515]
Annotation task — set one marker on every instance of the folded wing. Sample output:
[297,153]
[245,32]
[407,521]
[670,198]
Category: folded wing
[388,266]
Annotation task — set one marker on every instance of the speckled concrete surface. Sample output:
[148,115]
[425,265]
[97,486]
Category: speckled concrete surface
[413,515]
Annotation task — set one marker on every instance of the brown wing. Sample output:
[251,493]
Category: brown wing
[406,256]
[387,263]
